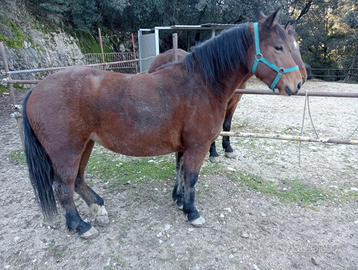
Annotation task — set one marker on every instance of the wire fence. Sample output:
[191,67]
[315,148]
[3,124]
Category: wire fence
[333,74]
[96,58]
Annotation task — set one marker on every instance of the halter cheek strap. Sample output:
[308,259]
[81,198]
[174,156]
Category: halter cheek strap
[260,58]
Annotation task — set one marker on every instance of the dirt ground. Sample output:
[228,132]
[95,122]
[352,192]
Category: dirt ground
[245,229]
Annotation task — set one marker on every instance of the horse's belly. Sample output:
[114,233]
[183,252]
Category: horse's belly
[138,145]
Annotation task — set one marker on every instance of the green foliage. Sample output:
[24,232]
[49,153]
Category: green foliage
[326,34]
[4,88]
[89,44]
[14,38]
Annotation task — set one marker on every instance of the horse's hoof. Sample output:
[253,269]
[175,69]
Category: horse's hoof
[199,222]
[230,155]
[214,159]
[90,234]
[102,220]
[100,214]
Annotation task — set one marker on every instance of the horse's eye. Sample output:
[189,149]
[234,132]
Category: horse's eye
[278,48]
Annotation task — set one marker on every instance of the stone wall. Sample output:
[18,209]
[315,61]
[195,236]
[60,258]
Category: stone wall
[55,49]
[39,49]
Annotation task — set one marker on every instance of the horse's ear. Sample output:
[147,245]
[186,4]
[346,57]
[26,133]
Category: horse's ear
[271,20]
[260,15]
[287,26]
[293,27]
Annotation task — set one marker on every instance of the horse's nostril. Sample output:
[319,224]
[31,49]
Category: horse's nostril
[303,80]
[299,86]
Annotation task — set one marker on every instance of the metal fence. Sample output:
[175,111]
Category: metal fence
[96,58]
[333,74]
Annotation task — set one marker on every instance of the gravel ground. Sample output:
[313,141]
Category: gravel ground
[246,227]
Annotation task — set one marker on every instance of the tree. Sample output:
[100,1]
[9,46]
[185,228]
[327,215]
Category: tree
[351,19]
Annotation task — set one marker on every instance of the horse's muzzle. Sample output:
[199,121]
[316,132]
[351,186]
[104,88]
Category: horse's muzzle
[289,90]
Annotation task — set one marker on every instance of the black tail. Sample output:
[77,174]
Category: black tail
[40,166]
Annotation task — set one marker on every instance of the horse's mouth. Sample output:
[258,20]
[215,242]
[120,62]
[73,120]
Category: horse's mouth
[289,90]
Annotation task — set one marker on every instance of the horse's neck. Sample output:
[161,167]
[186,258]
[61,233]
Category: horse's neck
[233,81]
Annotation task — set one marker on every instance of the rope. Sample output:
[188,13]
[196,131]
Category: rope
[353,133]
[303,121]
[314,128]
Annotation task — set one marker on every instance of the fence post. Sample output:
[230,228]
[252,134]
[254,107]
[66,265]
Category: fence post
[135,57]
[12,95]
[175,47]
[100,43]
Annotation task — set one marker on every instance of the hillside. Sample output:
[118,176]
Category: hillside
[30,44]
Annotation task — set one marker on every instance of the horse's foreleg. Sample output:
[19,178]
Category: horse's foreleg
[178,191]
[190,171]
[94,201]
[229,152]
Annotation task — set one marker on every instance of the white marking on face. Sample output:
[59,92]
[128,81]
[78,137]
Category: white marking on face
[295,44]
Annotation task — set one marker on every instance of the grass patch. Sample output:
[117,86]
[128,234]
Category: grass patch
[56,252]
[211,169]
[108,166]
[288,190]
[18,156]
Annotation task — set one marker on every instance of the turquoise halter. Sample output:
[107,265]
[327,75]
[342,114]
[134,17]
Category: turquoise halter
[260,58]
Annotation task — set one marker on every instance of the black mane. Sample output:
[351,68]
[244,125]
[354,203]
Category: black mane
[223,53]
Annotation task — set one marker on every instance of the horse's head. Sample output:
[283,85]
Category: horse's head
[273,62]
[296,55]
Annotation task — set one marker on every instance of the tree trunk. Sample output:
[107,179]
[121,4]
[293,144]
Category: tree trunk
[346,79]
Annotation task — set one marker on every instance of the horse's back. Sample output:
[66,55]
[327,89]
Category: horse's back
[165,58]
[140,115]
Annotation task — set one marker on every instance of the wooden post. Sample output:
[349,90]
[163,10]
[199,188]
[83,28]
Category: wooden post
[100,43]
[135,57]
[175,47]
[12,94]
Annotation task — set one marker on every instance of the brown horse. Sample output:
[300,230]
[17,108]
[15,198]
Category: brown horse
[167,57]
[178,109]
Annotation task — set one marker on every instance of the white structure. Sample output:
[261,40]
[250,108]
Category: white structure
[149,42]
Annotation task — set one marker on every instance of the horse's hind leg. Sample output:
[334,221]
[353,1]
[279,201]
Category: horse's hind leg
[229,152]
[213,156]
[94,201]
[64,187]
[178,191]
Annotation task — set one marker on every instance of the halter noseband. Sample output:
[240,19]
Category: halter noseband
[260,58]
